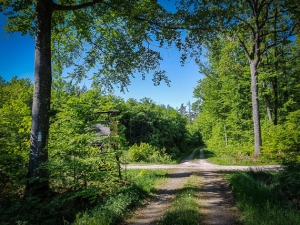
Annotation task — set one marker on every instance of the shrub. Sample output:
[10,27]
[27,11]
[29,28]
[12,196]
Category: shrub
[281,140]
[260,202]
[288,182]
[147,153]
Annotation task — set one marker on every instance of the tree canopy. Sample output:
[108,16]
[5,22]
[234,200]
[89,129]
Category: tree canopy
[255,26]
[110,39]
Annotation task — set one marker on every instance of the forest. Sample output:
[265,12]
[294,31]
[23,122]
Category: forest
[81,164]
[52,152]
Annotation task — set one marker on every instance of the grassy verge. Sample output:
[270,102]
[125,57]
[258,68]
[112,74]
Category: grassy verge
[185,206]
[236,159]
[117,206]
[259,200]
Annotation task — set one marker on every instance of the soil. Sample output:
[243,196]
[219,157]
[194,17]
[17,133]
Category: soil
[216,200]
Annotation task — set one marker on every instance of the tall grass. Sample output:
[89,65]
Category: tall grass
[259,202]
[185,207]
[117,206]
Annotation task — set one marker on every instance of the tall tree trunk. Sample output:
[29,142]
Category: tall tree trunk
[255,107]
[41,99]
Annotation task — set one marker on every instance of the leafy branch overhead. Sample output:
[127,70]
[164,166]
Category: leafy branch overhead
[107,41]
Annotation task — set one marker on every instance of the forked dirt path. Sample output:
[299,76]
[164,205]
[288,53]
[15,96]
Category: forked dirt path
[216,203]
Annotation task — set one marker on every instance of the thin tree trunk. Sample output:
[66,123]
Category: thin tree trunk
[267,104]
[255,107]
[41,99]
[275,88]
[225,136]
[275,80]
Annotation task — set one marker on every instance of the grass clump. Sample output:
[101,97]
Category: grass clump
[230,158]
[260,200]
[185,207]
[117,206]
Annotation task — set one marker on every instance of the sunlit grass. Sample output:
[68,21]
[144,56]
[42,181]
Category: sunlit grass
[236,159]
[185,206]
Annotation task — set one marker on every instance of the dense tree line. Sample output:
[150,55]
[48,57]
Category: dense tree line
[76,161]
[256,27]
[225,113]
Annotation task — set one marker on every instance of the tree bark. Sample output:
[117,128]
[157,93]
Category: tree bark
[267,101]
[225,136]
[275,88]
[38,176]
[275,80]
[255,107]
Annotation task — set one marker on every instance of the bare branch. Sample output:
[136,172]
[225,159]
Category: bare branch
[248,24]
[291,33]
[266,17]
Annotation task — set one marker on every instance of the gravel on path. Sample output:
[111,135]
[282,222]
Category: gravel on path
[151,213]
[216,200]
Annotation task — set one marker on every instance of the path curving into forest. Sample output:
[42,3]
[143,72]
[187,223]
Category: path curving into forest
[216,201]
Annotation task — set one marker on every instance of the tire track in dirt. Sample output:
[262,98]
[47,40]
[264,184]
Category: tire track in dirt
[151,213]
[216,203]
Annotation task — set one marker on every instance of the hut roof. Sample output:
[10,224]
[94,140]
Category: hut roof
[102,129]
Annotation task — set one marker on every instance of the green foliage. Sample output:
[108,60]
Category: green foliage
[185,206]
[283,140]
[84,168]
[260,201]
[76,160]
[225,120]
[15,124]
[147,153]
[118,205]
[100,40]
[115,208]
[288,181]
[250,63]
[158,125]
[63,208]
[242,157]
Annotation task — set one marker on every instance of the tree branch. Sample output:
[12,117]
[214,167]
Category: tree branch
[153,22]
[76,7]
[291,33]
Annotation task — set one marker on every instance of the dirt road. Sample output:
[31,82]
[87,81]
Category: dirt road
[216,204]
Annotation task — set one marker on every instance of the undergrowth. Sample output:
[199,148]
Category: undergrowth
[185,206]
[102,206]
[119,205]
[237,159]
[265,198]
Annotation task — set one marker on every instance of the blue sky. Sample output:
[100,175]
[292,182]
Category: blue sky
[17,59]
